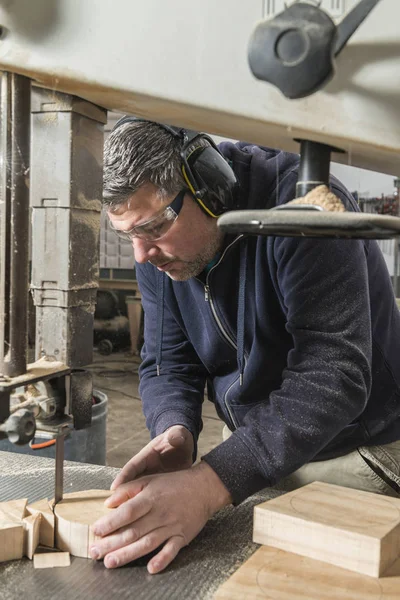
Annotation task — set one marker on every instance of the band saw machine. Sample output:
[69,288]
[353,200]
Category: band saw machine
[322,78]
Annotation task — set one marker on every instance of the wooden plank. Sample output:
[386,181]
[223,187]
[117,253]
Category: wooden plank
[13,511]
[47,560]
[12,529]
[75,515]
[275,574]
[356,530]
[11,541]
[31,535]
[46,529]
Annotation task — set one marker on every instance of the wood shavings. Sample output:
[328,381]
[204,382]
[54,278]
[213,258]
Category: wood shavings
[321,196]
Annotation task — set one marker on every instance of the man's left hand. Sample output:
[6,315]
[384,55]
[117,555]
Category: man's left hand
[167,508]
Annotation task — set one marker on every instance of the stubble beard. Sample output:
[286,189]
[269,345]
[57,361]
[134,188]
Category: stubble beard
[200,261]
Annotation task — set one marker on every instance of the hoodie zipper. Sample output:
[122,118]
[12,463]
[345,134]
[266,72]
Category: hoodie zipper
[208,298]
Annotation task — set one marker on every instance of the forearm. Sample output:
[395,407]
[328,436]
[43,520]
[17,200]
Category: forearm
[287,430]
[172,391]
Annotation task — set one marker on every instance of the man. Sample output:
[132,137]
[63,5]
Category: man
[297,339]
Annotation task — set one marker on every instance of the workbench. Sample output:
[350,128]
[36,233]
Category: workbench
[197,572]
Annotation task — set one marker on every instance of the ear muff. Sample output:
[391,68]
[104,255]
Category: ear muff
[206,172]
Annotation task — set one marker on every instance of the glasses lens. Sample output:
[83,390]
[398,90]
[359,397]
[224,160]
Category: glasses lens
[123,235]
[151,231]
[157,227]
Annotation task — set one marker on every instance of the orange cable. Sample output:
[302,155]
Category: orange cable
[43,444]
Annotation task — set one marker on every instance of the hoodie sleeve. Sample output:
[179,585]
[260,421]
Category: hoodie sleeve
[323,289]
[175,395]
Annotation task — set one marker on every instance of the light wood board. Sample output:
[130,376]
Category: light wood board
[272,574]
[31,534]
[22,528]
[75,515]
[356,530]
[11,541]
[46,529]
[13,511]
[12,529]
[48,560]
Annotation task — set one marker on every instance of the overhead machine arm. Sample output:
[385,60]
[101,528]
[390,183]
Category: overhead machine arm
[295,51]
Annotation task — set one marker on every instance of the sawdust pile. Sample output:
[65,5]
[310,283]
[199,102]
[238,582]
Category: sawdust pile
[321,196]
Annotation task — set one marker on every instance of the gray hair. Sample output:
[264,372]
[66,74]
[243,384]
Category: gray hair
[137,153]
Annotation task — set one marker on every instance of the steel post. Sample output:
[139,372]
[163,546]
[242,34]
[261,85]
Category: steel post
[15,139]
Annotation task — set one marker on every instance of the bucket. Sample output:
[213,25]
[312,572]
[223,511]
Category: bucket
[86,445]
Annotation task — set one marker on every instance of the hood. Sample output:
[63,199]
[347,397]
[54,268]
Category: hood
[260,171]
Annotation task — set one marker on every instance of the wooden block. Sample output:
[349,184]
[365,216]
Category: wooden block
[46,530]
[13,511]
[356,530]
[12,529]
[274,574]
[31,536]
[74,516]
[47,560]
[11,541]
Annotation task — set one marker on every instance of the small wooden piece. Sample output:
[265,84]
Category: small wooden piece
[356,530]
[13,511]
[47,560]
[75,515]
[278,575]
[46,530]
[12,529]
[11,541]
[31,535]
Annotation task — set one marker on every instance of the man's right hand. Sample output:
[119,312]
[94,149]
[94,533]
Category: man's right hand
[169,451]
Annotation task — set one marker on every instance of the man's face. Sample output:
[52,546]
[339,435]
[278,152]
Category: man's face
[184,251]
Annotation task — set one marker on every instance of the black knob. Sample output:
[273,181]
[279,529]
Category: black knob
[295,50]
[20,427]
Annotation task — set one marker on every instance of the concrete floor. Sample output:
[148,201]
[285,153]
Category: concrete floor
[116,375]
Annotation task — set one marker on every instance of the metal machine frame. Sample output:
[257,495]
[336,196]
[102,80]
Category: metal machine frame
[167,62]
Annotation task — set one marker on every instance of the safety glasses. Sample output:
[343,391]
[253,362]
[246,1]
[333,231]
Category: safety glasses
[156,227]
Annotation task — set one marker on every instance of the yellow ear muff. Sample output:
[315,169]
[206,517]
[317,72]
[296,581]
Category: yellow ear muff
[207,210]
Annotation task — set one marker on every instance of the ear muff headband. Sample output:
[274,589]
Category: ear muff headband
[207,174]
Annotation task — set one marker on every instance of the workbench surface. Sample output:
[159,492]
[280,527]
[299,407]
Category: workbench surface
[197,572]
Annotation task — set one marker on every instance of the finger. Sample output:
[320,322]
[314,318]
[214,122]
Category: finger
[126,535]
[143,546]
[178,436]
[123,537]
[124,492]
[133,468]
[166,555]
[176,439]
[129,512]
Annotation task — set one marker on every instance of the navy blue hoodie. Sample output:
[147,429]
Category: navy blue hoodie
[312,326]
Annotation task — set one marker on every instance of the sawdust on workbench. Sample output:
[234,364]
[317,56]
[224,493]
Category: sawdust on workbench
[8,571]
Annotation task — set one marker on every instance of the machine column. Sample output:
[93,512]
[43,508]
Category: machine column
[14,221]
[66,188]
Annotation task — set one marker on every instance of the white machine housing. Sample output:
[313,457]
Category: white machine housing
[185,63]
